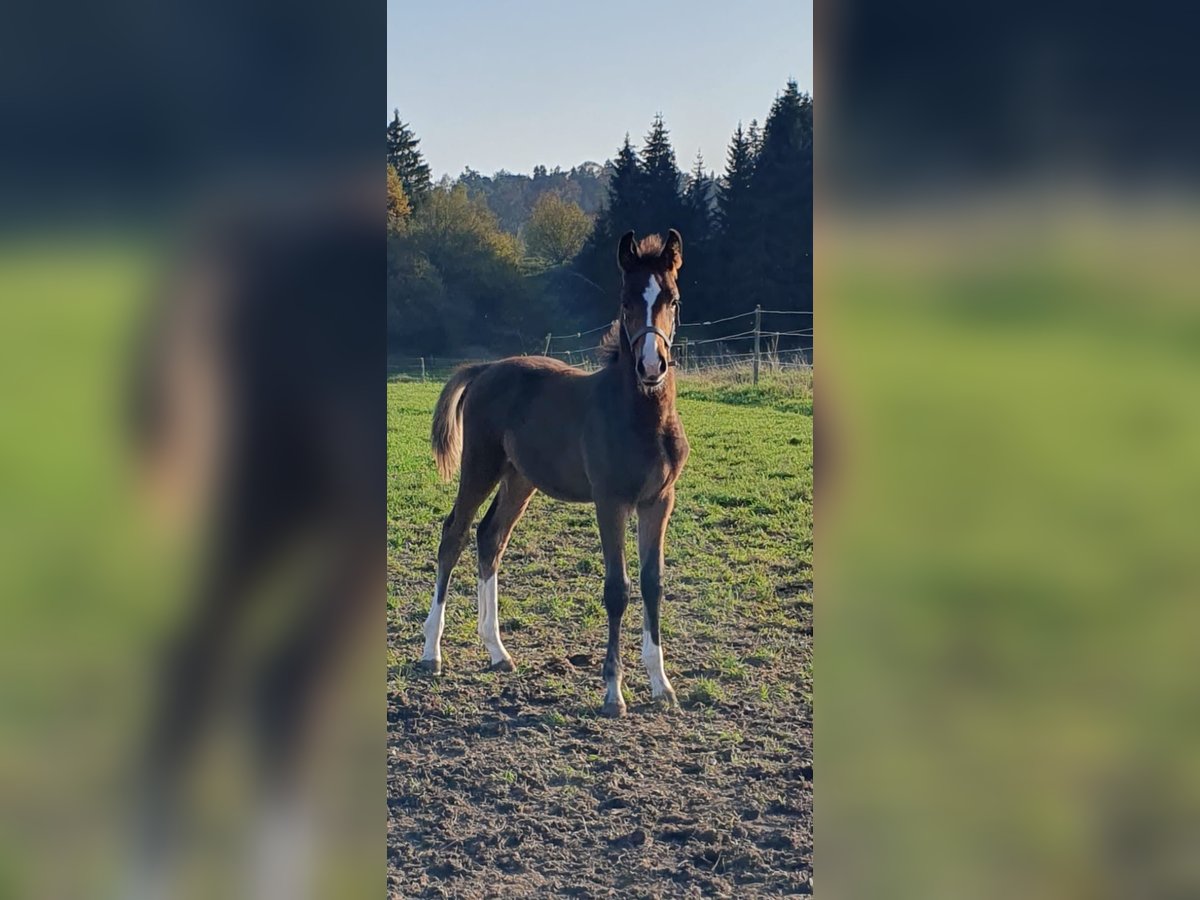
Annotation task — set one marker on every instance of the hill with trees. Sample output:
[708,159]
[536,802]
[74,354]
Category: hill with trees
[481,265]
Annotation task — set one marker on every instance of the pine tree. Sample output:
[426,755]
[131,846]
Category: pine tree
[663,207]
[698,202]
[741,258]
[739,169]
[658,157]
[620,213]
[407,160]
[754,139]
[781,194]
[697,283]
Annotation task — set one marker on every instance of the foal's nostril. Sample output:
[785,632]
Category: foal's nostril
[641,368]
[662,363]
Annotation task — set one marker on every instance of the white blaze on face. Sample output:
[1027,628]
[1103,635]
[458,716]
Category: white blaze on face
[650,360]
[433,629]
[489,619]
[652,659]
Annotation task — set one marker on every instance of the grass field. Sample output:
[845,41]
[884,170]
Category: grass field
[512,785]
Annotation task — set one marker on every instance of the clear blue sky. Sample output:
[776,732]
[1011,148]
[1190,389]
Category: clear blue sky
[512,84]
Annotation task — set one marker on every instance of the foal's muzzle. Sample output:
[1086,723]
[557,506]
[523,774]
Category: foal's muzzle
[650,380]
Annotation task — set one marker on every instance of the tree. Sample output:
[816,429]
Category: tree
[398,208]
[459,281]
[406,159]
[621,210]
[732,198]
[781,195]
[742,260]
[754,138]
[698,283]
[512,196]
[662,206]
[697,201]
[454,280]
[557,229]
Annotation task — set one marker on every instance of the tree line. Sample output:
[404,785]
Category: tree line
[481,265]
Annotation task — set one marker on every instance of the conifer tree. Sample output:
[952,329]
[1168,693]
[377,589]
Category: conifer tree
[621,210]
[698,278]
[698,202]
[754,139]
[781,194]
[732,198]
[662,205]
[404,156]
[742,260]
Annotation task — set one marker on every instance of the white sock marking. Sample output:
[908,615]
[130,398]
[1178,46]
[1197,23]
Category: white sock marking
[652,659]
[612,692]
[434,624]
[650,341]
[489,619]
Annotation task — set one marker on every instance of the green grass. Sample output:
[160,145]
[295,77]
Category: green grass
[705,692]
[738,556]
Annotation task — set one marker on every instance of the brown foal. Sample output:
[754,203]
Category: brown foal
[612,438]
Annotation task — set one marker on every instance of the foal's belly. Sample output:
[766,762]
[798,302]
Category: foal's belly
[555,468]
[559,493]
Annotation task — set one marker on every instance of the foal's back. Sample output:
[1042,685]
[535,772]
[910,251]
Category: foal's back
[533,411]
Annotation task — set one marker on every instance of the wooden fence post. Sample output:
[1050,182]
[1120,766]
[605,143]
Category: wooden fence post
[422,368]
[757,335]
[685,355]
[546,349]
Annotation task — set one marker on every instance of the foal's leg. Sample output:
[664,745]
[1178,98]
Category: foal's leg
[612,518]
[493,534]
[479,475]
[652,529]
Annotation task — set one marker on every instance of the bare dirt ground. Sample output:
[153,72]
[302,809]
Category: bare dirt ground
[512,785]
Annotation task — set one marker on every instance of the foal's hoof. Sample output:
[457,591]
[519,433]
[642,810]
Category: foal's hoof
[613,710]
[429,666]
[505,665]
[666,700]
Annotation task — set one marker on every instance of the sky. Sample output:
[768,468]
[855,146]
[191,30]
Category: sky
[510,84]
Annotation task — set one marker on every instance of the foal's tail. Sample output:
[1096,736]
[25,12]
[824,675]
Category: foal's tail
[446,436]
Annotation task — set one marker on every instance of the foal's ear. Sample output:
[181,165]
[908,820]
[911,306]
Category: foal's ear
[672,251]
[627,251]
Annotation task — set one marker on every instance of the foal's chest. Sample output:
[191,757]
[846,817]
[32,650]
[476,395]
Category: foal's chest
[656,465]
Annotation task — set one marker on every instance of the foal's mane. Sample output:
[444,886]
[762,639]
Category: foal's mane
[651,246]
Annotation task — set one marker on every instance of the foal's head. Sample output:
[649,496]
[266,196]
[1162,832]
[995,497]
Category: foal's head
[649,300]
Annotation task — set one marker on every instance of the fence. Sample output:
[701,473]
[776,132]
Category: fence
[692,354]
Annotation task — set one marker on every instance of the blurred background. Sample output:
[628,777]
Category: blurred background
[191,453]
[1007,284]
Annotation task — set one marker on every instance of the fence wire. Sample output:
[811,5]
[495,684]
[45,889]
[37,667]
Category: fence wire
[686,355]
